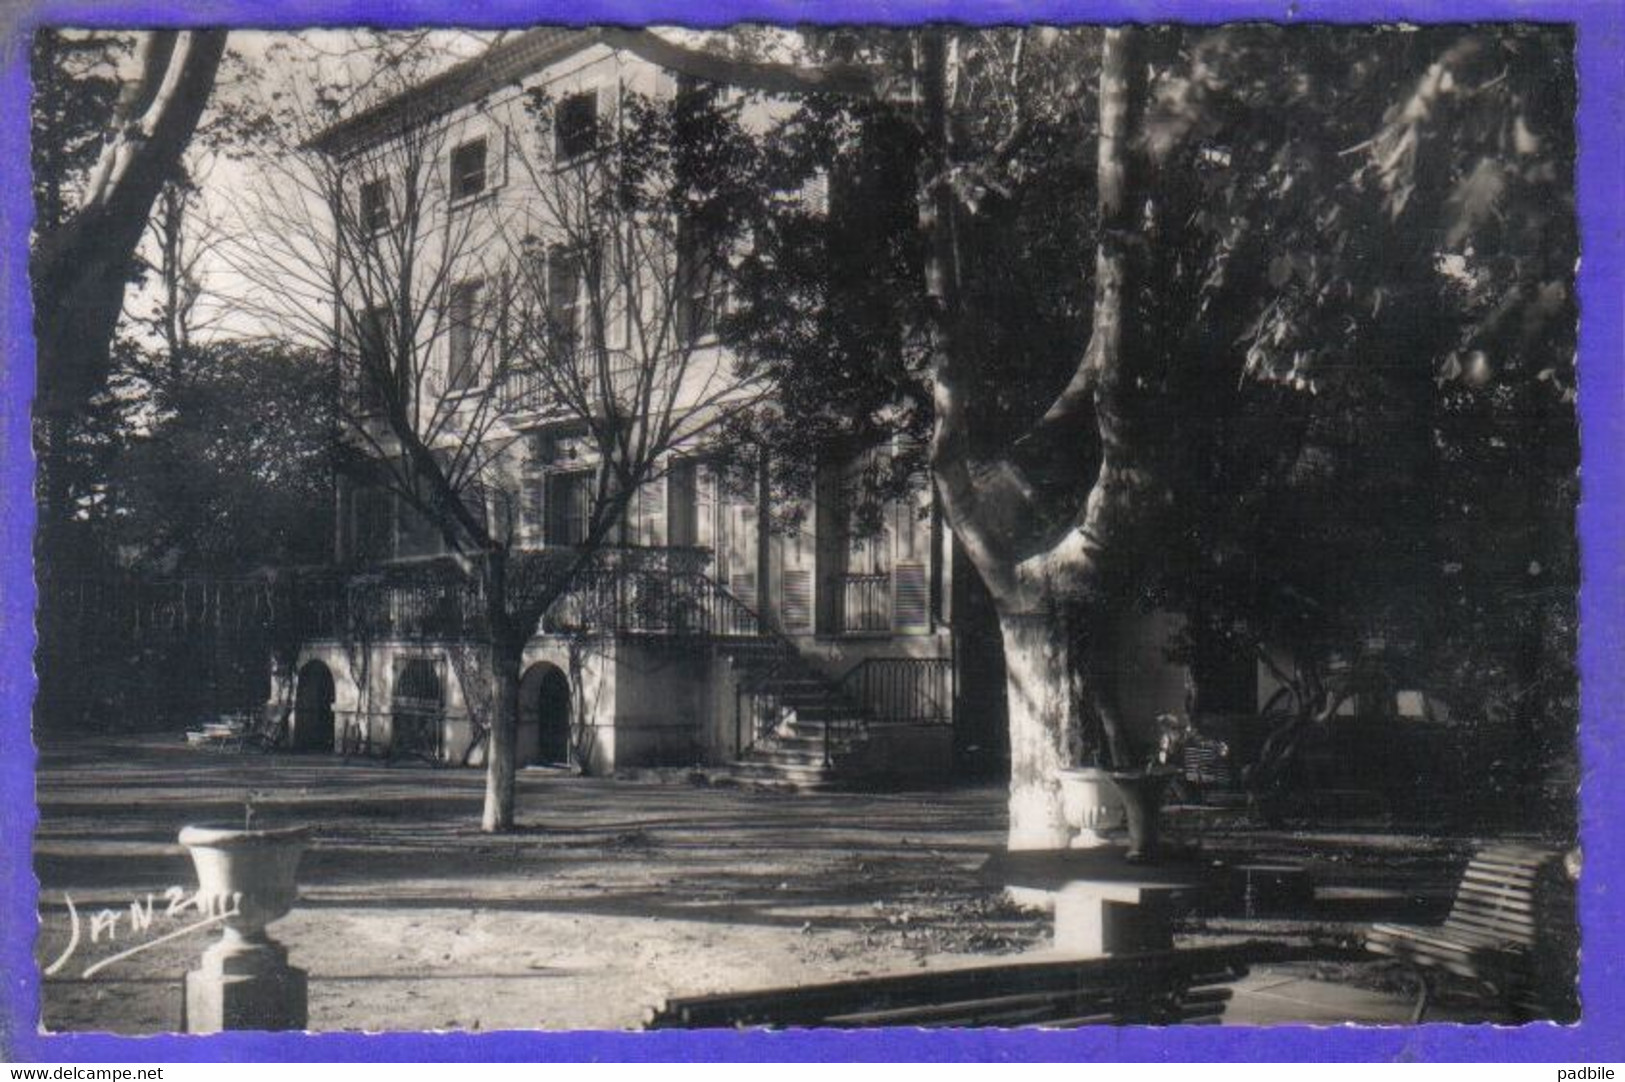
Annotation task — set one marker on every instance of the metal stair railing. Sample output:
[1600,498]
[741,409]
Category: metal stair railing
[753,697]
[917,690]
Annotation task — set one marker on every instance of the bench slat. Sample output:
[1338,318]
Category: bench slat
[1137,989]
[1495,922]
[972,1009]
[1494,868]
[1476,966]
[1518,901]
[1517,880]
[1491,919]
[1489,935]
[1511,918]
[1512,899]
[1512,915]
[1461,940]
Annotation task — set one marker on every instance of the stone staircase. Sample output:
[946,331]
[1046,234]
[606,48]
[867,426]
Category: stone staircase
[797,727]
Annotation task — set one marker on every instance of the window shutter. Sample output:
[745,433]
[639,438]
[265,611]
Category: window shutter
[682,524]
[795,570]
[911,608]
[653,527]
[742,584]
[532,510]
[616,314]
[705,509]
[797,595]
[742,553]
[911,576]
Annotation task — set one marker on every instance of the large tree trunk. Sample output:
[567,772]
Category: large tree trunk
[1060,588]
[1045,725]
[80,270]
[500,755]
[507,639]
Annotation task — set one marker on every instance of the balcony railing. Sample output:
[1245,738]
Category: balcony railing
[865,602]
[654,590]
[667,594]
[526,390]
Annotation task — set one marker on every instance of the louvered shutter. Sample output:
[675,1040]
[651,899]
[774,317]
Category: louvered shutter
[911,598]
[797,604]
[609,103]
[795,569]
[652,530]
[741,555]
[681,504]
[705,509]
[911,581]
[532,509]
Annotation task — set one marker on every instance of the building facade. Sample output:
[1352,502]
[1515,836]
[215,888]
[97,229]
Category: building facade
[705,631]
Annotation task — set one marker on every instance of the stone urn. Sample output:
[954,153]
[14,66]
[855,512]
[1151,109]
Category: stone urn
[247,878]
[1142,793]
[1091,804]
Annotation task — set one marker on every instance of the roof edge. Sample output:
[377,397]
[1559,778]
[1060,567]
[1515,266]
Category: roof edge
[465,82]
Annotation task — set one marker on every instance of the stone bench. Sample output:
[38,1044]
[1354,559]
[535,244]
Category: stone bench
[1096,917]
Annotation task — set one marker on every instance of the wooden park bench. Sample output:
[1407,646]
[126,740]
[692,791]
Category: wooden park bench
[1511,923]
[1187,987]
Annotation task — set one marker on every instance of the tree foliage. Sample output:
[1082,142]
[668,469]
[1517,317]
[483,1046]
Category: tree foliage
[1352,313]
[221,460]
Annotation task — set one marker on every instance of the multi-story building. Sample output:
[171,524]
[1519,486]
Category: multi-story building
[703,633]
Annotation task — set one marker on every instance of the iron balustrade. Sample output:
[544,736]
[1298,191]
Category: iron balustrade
[654,591]
[917,690]
[657,591]
[622,589]
[866,603]
[527,390]
[876,691]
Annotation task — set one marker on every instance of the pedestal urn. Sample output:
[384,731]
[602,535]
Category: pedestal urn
[1091,804]
[247,878]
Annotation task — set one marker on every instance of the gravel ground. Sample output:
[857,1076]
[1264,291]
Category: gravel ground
[612,893]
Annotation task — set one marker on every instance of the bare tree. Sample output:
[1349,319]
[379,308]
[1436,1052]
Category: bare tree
[182,238]
[574,293]
[81,268]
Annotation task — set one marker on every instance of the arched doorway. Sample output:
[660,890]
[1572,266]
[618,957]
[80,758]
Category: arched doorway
[313,708]
[544,716]
[417,709]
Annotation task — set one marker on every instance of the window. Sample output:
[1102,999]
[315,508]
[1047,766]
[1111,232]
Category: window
[699,300]
[645,519]
[463,368]
[564,296]
[416,534]
[372,527]
[575,126]
[468,169]
[682,502]
[374,370]
[569,500]
[375,206]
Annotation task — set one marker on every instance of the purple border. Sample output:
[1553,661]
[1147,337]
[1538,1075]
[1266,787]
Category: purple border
[1601,1037]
